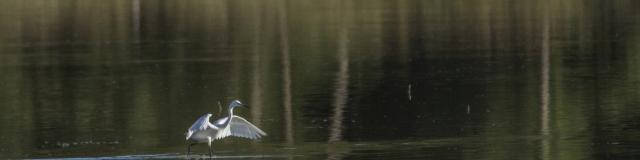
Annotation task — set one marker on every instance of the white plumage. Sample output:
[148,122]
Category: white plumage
[239,127]
[203,131]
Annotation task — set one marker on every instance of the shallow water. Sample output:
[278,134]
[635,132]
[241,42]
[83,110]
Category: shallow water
[336,79]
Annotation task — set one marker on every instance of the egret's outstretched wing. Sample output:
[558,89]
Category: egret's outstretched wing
[240,127]
[201,124]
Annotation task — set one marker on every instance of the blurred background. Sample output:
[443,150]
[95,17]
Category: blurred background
[331,79]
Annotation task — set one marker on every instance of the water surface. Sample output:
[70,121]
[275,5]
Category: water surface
[336,79]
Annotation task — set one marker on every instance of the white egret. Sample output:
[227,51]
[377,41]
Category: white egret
[203,131]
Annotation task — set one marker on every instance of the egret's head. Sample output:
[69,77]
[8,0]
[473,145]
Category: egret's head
[235,103]
[209,114]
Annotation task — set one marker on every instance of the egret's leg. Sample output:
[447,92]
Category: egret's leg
[189,148]
[210,153]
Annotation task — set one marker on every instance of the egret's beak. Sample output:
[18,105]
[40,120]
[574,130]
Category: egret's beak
[244,105]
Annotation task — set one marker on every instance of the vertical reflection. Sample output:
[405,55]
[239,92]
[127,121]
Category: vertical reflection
[286,70]
[341,92]
[544,90]
[342,80]
[256,93]
[135,19]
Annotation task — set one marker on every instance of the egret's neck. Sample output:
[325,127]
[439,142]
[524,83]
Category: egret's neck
[231,112]
[230,116]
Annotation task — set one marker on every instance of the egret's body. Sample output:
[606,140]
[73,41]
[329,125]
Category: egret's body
[203,131]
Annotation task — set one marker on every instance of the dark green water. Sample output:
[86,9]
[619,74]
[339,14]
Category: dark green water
[333,79]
